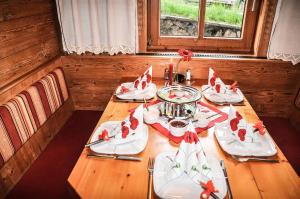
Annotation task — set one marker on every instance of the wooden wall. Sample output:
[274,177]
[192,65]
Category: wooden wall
[28,37]
[269,85]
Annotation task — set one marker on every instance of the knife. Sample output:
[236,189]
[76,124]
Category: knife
[226,178]
[116,157]
[97,142]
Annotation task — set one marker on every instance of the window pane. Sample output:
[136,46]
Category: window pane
[224,18]
[179,17]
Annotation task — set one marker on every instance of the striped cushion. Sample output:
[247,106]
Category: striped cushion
[22,116]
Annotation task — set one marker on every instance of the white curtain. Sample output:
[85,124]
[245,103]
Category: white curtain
[285,38]
[98,26]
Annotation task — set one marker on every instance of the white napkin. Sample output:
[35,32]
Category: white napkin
[190,159]
[239,129]
[143,81]
[130,127]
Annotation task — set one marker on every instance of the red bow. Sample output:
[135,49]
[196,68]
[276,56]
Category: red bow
[103,135]
[208,189]
[185,54]
[260,126]
[234,86]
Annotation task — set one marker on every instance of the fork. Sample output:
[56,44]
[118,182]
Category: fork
[150,173]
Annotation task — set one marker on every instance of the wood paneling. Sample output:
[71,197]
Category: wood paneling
[16,166]
[269,85]
[28,37]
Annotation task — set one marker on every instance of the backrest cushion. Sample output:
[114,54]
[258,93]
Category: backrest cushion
[24,114]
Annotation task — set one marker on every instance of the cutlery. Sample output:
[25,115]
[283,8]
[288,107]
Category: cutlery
[245,159]
[129,100]
[226,178]
[208,117]
[227,103]
[150,171]
[116,157]
[97,142]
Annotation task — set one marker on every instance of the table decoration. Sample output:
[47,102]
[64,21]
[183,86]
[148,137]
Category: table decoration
[216,91]
[213,114]
[141,88]
[129,136]
[189,172]
[238,137]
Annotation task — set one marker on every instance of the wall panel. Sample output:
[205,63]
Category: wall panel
[269,85]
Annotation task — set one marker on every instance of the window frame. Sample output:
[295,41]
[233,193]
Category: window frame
[205,44]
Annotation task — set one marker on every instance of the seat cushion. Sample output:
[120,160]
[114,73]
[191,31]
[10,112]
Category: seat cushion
[24,114]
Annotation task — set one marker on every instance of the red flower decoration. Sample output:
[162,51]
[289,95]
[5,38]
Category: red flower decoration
[123,123]
[144,85]
[185,54]
[208,189]
[218,88]
[103,135]
[234,86]
[260,126]
[241,134]
[124,89]
[125,131]
[234,124]
[134,123]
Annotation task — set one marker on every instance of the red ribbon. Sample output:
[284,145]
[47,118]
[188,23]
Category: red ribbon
[208,189]
[260,126]
[190,137]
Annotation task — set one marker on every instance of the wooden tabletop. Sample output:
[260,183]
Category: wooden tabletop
[108,178]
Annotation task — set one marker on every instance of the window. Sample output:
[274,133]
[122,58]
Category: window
[205,25]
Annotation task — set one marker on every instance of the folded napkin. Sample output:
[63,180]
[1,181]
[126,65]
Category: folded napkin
[144,80]
[129,131]
[240,130]
[190,159]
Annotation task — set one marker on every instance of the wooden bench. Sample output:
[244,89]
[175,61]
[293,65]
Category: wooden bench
[15,163]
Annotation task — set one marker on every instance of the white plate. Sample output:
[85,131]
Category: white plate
[229,97]
[147,93]
[128,146]
[183,187]
[263,147]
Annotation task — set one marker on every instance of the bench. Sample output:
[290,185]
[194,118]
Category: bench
[32,111]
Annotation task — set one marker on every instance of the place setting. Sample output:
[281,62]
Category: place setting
[245,141]
[138,90]
[220,94]
[121,140]
[188,172]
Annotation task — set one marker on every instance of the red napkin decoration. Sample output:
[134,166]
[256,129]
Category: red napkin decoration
[171,96]
[190,137]
[234,122]
[124,89]
[125,131]
[208,189]
[148,77]
[213,79]
[103,135]
[136,83]
[260,126]
[133,123]
[234,86]
[241,134]
[218,88]
[144,85]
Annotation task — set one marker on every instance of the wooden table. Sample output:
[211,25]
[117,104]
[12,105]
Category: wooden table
[108,178]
